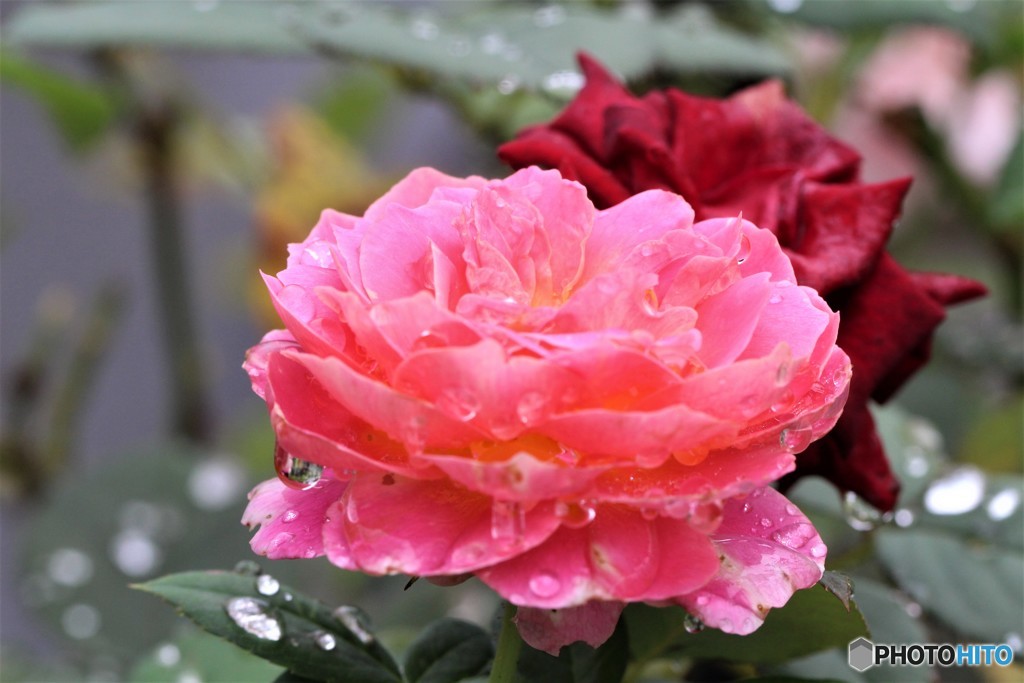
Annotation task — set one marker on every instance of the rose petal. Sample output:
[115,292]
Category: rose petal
[290,521]
[551,630]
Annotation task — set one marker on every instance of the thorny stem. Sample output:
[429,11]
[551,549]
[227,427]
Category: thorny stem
[509,643]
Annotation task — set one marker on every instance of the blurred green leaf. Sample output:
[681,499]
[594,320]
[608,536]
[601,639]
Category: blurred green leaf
[577,663]
[995,441]
[886,611]
[196,655]
[976,589]
[353,105]
[812,620]
[978,20]
[235,25]
[1007,207]
[80,111]
[448,650]
[280,625]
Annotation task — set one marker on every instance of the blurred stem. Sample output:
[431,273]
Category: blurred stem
[509,644]
[106,312]
[154,133]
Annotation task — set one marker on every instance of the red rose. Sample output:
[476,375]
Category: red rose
[759,154]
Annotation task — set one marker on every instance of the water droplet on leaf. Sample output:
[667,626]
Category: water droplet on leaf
[355,621]
[267,584]
[860,514]
[325,640]
[248,568]
[253,616]
[1003,504]
[960,491]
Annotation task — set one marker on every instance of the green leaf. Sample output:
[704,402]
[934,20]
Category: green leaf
[1007,207]
[80,111]
[839,585]
[198,655]
[285,627]
[577,663]
[812,620]
[236,25]
[519,46]
[976,589]
[448,650]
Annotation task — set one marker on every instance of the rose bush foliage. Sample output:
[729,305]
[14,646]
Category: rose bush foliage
[581,408]
[758,154]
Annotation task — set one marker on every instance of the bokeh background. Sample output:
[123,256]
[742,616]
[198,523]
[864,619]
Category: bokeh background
[155,155]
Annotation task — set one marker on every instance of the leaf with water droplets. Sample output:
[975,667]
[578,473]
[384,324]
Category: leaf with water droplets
[195,655]
[280,625]
[811,621]
[448,650]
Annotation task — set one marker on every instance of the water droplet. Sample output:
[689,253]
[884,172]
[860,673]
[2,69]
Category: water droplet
[912,609]
[424,28]
[744,252]
[459,402]
[575,515]
[412,434]
[765,522]
[289,516]
[466,555]
[960,491]
[903,517]
[705,517]
[545,584]
[916,464]
[69,567]
[81,621]
[248,568]
[1003,504]
[552,15]
[693,624]
[206,5]
[796,439]
[794,536]
[567,81]
[775,298]
[702,600]
[135,553]
[1014,641]
[355,621]
[325,640]
[294,472]
[287,597]
[507,522]
[860,514]
[783,373]
[216,483]
[459,46]
[168,654]
[819,551]
[508,85]
[267,584]
[492,43]
[189,676]
[532,407]
[254,617]
[785,6]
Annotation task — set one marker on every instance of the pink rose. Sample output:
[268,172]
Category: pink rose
[581,408]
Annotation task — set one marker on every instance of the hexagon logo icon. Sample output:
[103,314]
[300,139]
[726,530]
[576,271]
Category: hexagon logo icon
[862,654]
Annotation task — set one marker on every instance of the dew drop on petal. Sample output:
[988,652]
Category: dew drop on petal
[960,491]
[253,616]
[796,439]
[705,517]
[355,621]
[324,640]
[819,551]
[289,516]
[267,585]
[545,584]
[532,407]
[693,624]
[294,472]
[794,536]
[459,402]
[575,515]
[744,252]
[507,522]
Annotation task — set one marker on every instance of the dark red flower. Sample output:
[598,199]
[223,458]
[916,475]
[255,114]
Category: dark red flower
[759,154]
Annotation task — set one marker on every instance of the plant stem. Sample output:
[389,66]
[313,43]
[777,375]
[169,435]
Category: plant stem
[154,133]
[509,644]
